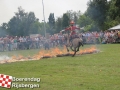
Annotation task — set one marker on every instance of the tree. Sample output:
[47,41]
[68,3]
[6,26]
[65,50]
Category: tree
[58,24]
[4,26]
[84,20]
[35,28]
[14,26]
[117,4]
[97,11]
[73,15]
[32,24]
[2,32]
[22,23]
[51,21]
[65,21]
[113,15]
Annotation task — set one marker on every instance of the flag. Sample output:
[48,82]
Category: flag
[5,80]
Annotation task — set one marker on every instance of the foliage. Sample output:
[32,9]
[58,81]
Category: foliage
[51,21]
[66,20]
[2,32]
[22,23]
[73,15]
[35,28]
[58,24]
[117,4]
[97,11]
[112,17]
[84,20]
[100,15]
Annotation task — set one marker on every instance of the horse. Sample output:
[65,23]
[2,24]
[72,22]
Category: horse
[74,44]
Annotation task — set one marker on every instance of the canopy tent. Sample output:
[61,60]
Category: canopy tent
[115,27]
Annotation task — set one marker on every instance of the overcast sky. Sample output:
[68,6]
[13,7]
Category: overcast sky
[58,7]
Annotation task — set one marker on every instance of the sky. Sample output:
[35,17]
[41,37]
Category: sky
[58,7]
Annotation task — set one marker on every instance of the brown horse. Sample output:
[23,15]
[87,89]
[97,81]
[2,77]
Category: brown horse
[74,44]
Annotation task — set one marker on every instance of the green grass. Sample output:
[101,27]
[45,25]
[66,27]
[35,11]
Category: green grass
[99,71]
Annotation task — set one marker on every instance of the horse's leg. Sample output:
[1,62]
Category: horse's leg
[67,48]
[81,44]
[74,52]
[72,48]
[78,48]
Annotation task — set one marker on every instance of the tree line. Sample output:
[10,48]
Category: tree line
[100,15]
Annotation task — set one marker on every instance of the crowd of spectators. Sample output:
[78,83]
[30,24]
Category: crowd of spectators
[101,37]
[10,43]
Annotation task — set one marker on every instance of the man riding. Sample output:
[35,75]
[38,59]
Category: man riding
[73,41]
[72,28]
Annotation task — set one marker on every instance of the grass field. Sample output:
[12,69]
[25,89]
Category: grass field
[99,71]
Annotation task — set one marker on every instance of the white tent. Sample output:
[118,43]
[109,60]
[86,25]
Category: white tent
[115,27]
